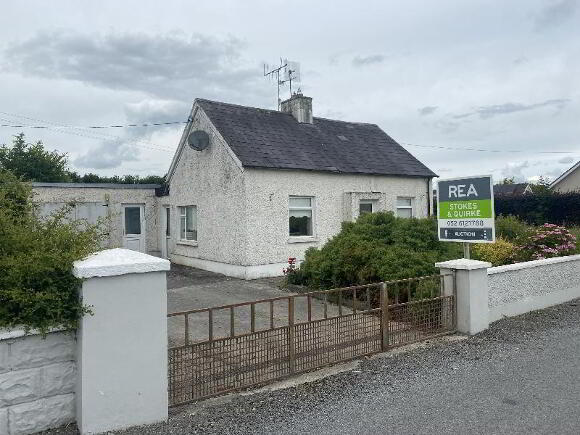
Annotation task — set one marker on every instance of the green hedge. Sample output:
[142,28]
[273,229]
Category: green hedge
[537,209]
[377,247]
[37,288]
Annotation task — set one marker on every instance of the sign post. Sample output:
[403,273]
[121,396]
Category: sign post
[465,211]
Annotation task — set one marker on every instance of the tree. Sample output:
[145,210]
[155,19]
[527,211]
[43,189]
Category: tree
[506,180]
[32,162]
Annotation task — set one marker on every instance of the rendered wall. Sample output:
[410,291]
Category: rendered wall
[569,184]
[268,191]
[213,181]
[519,288]
[37,381]
[114,198]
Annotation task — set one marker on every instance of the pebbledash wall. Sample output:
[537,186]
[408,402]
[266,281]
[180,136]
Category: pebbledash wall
[335,200]
[37,381]
[522,287]
[111,197]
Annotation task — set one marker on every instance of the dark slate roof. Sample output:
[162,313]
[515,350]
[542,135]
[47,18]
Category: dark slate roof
[510,189]
[270,139]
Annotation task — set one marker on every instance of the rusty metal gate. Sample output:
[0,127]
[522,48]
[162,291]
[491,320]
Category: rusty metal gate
[236,346]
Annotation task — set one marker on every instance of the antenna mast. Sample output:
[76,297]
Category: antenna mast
[291,73]
[275,73]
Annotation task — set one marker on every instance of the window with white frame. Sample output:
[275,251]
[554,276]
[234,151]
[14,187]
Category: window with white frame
[301,213]
[404,207]
[366,206]
[188,223]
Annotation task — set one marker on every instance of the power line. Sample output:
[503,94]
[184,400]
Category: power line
[146,124]
[483,150]
[63,128]
[94,136]
[81,131]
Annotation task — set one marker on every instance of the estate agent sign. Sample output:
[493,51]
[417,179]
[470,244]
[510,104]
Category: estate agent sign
[465,210]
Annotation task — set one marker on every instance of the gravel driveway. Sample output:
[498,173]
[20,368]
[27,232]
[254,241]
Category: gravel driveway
[520,376]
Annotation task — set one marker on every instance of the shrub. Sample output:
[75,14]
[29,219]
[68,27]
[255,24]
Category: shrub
[511,228]
[377,247]
[547,241]
[37,287]
[499,253]
[547,206]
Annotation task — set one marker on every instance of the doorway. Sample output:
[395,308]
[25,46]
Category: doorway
[134,227]
[166,236]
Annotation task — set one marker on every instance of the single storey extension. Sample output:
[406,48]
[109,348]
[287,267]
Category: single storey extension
[248,188]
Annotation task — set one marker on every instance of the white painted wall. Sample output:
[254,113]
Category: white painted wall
[122,347]
[52,197]
[519,288]
[37,381]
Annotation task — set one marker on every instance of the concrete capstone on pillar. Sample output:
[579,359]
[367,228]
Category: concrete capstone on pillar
[472,290]
[122,346]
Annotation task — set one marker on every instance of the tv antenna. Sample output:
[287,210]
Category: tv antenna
[290,73]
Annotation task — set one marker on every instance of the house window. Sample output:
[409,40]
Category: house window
[188,223]
[300,223]
[366,206]
[404,207]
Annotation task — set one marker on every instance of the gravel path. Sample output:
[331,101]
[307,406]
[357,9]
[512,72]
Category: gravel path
[520,376]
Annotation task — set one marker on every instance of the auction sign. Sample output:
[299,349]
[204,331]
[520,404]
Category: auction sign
[465,211]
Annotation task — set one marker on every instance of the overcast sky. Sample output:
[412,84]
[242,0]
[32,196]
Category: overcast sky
[494,75]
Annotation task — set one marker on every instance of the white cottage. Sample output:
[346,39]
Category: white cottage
[248,188]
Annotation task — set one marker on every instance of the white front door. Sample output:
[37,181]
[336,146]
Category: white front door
[166,232]
[134,227]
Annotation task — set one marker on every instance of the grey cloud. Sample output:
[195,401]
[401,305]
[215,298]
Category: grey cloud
[486,112]
[107,155]
[566,160]
[368,60]
[515,170]
[427,110]
[155,111]
[555,14]
[172,66]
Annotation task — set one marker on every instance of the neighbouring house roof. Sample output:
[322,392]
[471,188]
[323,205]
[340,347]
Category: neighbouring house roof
[271,139]
[512,189]
[565,174]
[98,185]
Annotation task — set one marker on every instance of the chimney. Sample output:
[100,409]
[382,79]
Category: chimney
[299,106]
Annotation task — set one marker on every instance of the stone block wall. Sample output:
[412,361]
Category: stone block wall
[37,381]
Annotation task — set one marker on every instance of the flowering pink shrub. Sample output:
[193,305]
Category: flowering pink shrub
[547,241]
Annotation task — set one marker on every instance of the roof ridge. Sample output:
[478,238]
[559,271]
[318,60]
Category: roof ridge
[237,105]
[278,111]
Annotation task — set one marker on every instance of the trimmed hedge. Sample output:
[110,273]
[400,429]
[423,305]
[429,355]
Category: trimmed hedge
[537,209]
[37,287]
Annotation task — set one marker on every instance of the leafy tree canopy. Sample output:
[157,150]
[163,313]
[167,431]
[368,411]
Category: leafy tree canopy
[32,162]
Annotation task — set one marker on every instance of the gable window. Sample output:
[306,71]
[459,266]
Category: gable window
[300,221]
[366,206]
[188,223]
[404,207]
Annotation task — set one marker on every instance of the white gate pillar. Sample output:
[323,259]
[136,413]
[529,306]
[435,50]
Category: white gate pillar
[122,346]
[472,290]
